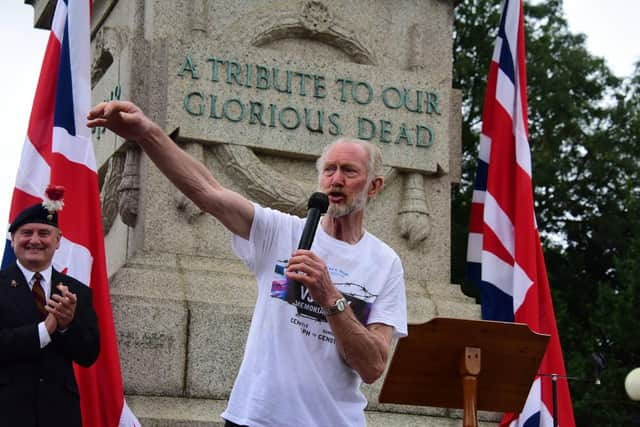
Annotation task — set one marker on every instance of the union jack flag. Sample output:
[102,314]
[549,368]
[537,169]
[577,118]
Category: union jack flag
[504,253]
[58,150]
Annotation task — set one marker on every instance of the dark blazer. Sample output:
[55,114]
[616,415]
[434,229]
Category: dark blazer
[38,386]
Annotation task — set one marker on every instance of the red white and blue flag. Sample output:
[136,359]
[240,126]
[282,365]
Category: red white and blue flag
[58,151]
[504,253]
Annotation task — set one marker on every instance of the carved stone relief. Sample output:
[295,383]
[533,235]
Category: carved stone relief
[198,15]
[129,187]
[108,191]
[315,17]
[261,182]
[120,188]
[315,21]
[413,217]
[416,56]
[108,45]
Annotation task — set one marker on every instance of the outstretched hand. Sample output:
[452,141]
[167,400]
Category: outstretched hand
[122,117]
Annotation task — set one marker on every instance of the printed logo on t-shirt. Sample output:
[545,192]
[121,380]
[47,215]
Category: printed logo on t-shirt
[358,297]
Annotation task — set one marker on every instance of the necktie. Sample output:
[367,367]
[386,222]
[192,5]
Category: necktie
[38,295]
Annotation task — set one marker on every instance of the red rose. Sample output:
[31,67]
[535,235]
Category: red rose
[54,192]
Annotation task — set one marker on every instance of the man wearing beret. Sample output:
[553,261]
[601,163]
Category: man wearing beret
[47,322]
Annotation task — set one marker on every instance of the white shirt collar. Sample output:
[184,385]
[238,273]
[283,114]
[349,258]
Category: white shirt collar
[46,277]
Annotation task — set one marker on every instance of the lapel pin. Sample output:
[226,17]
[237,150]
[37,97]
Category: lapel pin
[14,284]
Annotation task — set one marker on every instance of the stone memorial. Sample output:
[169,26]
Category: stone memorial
[255,90]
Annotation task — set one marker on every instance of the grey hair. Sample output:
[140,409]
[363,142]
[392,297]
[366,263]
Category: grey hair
[374,156]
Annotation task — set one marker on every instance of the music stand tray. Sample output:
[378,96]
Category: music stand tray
[466,364]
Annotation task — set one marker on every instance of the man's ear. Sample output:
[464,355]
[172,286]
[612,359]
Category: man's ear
[375,186]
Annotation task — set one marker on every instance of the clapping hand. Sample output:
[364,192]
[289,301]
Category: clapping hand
[63,307]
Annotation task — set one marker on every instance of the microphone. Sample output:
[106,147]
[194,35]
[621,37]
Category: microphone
[318,205]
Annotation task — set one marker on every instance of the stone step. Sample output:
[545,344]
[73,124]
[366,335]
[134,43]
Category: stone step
[155,411]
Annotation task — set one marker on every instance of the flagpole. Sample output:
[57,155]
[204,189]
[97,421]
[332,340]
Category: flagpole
[554,394]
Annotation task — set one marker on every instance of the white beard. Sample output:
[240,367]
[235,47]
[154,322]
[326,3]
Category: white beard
[359,202]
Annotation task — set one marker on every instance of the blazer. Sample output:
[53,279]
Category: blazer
[38,386]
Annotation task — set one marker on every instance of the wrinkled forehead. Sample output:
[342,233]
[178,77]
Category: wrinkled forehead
[347,153]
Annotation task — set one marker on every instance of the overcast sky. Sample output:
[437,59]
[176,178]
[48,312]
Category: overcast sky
[611,28]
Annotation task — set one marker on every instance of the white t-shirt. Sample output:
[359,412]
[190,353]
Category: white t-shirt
[292,374]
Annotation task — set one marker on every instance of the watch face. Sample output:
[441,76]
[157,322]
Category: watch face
[340,304]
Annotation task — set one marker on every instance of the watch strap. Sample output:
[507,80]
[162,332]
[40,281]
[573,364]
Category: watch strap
[337,307]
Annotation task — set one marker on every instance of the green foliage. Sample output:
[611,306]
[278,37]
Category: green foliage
[584,126]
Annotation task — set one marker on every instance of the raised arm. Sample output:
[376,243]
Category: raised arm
[190,176]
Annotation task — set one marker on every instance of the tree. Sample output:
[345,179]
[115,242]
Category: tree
[616,308]
[583,132]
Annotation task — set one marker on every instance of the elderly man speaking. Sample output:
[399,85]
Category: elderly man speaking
[305,357]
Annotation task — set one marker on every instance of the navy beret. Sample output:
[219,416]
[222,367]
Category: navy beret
[34,214]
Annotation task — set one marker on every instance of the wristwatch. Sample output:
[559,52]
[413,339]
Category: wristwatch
[337,307]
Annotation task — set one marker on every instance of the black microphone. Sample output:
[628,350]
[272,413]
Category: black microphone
[318,205]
